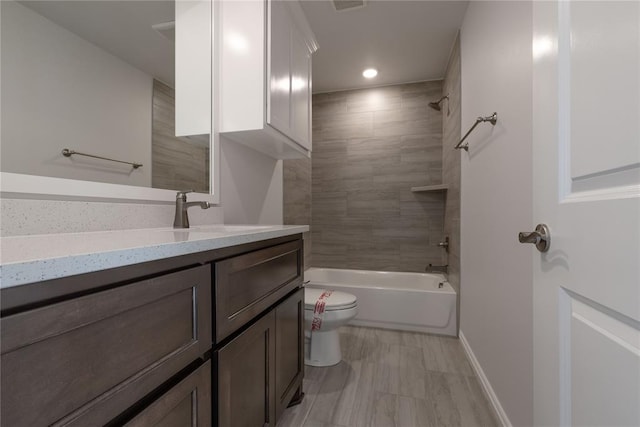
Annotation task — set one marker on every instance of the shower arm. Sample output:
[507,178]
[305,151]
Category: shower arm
[493,119]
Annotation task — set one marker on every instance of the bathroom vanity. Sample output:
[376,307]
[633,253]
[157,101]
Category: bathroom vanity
[152,327]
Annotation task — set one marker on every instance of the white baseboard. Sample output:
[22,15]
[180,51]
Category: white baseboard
[486,385]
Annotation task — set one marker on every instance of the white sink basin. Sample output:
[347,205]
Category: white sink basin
[223,228]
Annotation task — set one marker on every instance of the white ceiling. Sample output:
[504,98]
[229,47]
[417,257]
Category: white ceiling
[122,28]
[406,41]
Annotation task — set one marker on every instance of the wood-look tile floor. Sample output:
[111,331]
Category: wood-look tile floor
[392,378]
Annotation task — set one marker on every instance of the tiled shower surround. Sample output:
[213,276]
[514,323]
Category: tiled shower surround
[451,163]
[370,147]
[296,198]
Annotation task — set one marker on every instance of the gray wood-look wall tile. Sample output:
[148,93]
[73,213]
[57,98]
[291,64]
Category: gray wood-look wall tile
[178,163]
[451,165]
[296,199]
[393,378]
[370,147]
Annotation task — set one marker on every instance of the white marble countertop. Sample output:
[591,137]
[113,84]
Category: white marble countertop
[28,259]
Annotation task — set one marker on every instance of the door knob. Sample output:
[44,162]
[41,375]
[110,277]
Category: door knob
[541,237]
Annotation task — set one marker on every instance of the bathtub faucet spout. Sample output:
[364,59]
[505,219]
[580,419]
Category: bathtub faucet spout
[444,269]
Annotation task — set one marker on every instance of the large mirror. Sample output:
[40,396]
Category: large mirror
[110,92]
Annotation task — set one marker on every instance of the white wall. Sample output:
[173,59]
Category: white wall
[496,281]
[59,90]
[26,216]
[251,193]
[251,185]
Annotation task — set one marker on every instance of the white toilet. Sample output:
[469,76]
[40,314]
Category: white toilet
[322,346]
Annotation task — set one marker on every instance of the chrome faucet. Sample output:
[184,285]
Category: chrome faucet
[181,219]
[444,269]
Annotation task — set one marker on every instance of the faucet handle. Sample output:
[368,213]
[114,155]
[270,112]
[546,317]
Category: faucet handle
[445,244]
[183,194]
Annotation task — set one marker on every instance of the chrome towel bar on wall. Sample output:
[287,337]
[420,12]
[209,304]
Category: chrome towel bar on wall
[493,119]
[68,153]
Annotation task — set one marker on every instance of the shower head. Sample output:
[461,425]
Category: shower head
[436,105]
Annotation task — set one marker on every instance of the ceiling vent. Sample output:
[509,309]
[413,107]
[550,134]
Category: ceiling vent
[342,5]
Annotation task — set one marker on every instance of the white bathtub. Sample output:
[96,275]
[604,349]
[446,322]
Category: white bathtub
[402,301]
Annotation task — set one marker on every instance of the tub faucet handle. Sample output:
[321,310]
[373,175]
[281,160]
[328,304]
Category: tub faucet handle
[445,244]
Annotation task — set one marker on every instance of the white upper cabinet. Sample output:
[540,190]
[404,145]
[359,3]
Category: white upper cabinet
[264,81]
[279,28]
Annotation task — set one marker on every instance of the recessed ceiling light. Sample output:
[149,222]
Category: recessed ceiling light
[370,73]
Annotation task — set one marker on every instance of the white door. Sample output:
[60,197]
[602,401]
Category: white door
[586,158]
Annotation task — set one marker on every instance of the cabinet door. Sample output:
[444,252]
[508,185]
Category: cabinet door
[246,377]
[81,361]
[279,66]
[289,349]
[188,403]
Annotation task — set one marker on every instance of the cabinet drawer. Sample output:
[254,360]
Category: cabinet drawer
[248,284]
[82,361]
[188,403]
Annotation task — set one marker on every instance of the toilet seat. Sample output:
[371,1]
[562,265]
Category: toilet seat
[336,301]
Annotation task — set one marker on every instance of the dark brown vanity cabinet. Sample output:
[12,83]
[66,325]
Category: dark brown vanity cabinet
[289,327]
[85,360]
[248,284]
[246,372]
[188,403]
[261,369]
[260,362]
[207,339]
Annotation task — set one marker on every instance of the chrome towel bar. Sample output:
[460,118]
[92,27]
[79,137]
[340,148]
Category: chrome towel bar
[493,119]
[68,153]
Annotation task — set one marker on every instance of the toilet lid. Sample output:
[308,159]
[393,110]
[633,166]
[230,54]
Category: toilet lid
[336,301]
